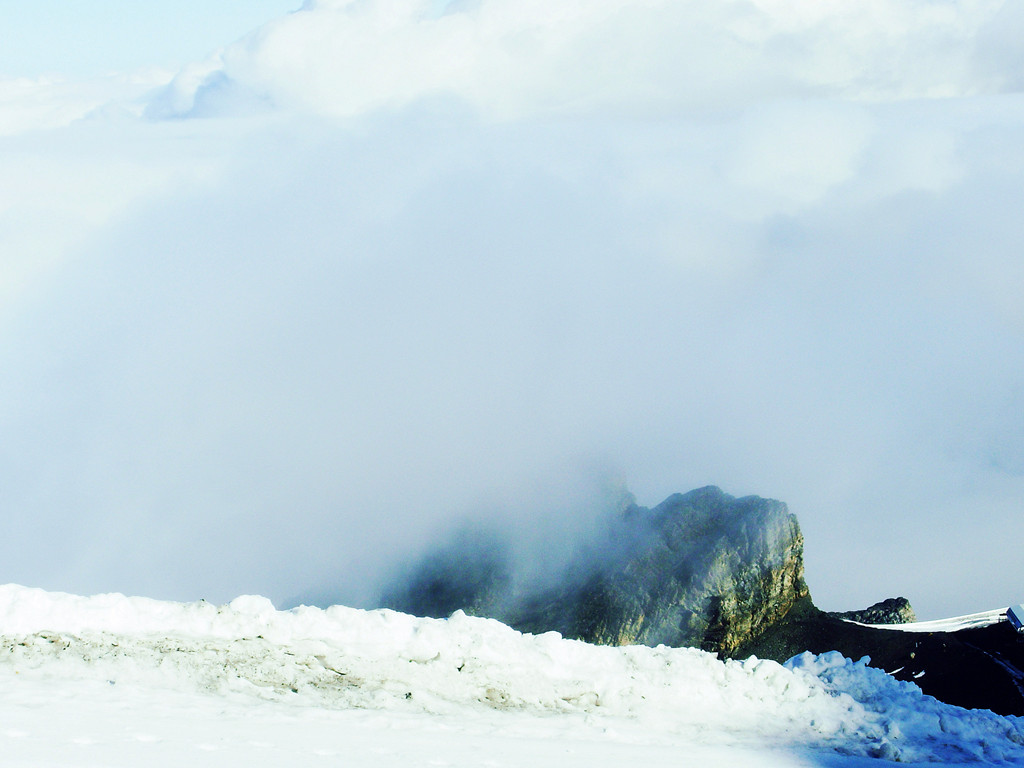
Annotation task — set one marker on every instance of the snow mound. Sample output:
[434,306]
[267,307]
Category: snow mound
[907,724]
[342,658]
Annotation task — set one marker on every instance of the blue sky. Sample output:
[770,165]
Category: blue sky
[76,38]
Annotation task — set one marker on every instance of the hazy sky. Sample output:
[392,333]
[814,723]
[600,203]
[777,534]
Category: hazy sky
[276,308]
[57,37]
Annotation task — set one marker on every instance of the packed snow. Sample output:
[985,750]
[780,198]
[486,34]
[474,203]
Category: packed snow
[118,680]
[954,624]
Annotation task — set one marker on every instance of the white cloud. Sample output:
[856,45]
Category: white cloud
[706,242]
[44,103]
[509,57]
[798,152]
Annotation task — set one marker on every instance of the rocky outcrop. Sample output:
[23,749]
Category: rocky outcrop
[895,610]
[707,570]
[701,569]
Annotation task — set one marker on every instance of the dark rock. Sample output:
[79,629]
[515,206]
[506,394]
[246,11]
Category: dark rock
[701,569]
[979,668]
[895,610]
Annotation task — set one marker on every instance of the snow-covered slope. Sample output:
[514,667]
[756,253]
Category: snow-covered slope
[214,683]
[953,624]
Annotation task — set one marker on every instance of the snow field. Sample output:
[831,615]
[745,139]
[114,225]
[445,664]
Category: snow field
[343,667]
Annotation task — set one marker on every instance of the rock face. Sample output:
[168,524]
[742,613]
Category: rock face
[895,610]
[701,569]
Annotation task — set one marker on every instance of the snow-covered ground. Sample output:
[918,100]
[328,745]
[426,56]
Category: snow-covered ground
[954,624]
[118,681]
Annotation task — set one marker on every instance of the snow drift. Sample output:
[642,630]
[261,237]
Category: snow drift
[342,659]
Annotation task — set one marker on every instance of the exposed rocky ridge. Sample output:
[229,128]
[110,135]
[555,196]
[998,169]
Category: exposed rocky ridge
[701,569]
[895,610]
[707,570]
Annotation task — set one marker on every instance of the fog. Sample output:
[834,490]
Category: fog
[382,267]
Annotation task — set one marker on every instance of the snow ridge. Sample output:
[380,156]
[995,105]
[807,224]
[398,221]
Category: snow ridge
[345,659]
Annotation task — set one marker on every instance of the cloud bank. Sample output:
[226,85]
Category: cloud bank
[380,266]
[511,58]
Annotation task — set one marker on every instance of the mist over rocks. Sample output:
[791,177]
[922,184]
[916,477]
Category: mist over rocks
[705,570]
[701,569]
[472,572]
